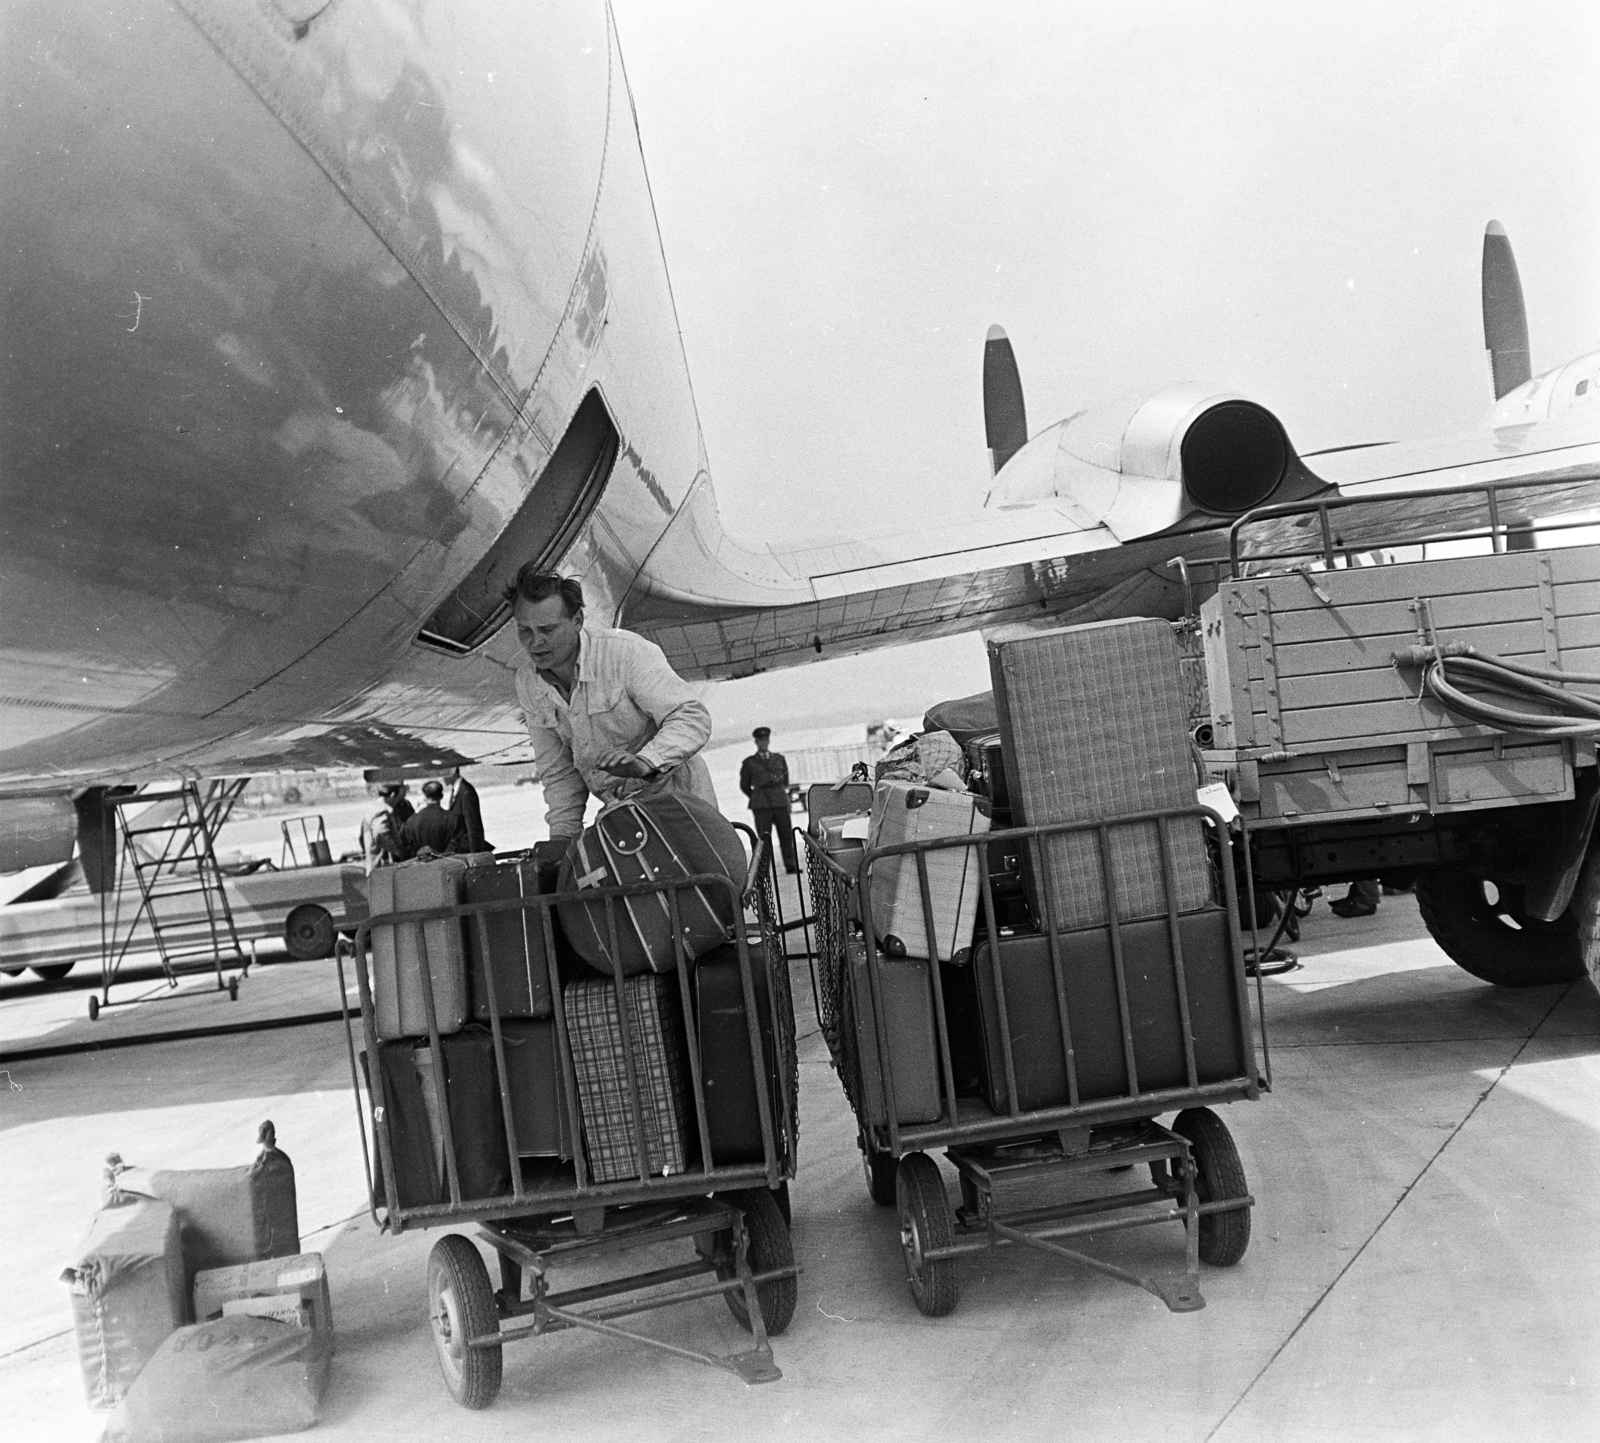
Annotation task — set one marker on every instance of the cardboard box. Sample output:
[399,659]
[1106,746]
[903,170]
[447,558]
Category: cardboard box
[292,1284]
[288,1308]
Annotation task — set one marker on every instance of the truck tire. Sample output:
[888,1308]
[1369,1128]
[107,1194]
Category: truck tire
[1484,930]
[1585,907]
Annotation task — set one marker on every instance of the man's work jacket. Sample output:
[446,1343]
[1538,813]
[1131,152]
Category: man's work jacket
[625,695]
[765,780]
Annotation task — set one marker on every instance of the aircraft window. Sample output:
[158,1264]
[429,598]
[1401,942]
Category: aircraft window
[1582,387]
[544,528]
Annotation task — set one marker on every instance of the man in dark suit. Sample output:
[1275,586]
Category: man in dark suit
[429,830]
[467,818]
[764,778]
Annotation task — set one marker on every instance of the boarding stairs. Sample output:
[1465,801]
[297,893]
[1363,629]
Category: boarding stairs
[182,905]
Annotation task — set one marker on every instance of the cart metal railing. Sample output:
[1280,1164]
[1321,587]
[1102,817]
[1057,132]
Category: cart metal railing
[989,1145]
[555,1209]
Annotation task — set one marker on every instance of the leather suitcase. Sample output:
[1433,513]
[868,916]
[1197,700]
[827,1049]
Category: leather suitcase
[652,839]
[538,1100]
[397,997]
[516,952]
[594,1029]
[1220,1034]
[836,799]
[733,1115]
[906,987]
[964,717]
[902,812]
[986,775]
[477,1120]
[416,1166]
[1094,727]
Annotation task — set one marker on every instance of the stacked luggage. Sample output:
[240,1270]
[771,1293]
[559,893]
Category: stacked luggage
[1084,725]
[585,996]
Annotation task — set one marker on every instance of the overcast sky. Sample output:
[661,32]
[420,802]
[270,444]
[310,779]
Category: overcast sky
[1288,200]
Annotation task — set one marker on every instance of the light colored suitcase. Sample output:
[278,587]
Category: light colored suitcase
[397,998]
[904,812]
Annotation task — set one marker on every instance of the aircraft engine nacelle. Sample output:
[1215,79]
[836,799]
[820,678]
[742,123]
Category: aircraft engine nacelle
[1142,467]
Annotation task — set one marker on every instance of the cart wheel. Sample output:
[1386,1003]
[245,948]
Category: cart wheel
[879,1169]
[94,1009]
[925,1224]
[461,1306]
[769,1247]
[308,932]
[1219,1176]
[780,1195]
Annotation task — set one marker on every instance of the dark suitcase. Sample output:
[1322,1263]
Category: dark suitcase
[1219,1031]
[1092,718]
[733,1114]
[836,799]
[986,775]
[516,939]
[655,1026]
[964,717]
[477,1120]
[652,839]
[538,1100]
[415,1164]
[906,989]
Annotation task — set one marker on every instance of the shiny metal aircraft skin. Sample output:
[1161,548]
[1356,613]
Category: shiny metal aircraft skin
[320,318]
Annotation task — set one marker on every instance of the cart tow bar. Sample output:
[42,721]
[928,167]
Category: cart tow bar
[1181,1296]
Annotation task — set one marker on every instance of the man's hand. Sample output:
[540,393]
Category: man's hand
[622,763]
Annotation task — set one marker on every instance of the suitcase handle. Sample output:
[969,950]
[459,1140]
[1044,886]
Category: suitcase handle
[640,836]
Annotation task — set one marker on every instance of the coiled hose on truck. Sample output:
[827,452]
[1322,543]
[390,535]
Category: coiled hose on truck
[1445,667]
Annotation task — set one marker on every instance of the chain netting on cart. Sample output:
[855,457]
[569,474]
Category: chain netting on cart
[834,913]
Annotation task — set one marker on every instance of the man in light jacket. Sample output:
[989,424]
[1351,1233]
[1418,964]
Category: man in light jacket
[608,717]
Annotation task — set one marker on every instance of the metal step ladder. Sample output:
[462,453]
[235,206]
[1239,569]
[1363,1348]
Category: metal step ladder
[182,902]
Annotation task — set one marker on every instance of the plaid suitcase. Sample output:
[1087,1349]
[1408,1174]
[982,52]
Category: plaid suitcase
[1094,727]
[652,839]
[661,1066]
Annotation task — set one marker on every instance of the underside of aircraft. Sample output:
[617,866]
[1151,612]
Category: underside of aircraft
[322,320]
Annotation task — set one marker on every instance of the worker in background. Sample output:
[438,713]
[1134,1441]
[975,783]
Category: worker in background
[402,809]
[608,717]
[380,834]
[466,817]
[1360,901]
[430,831]
[764,779]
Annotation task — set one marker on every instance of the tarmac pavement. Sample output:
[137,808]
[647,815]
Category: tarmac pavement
[1423,1263]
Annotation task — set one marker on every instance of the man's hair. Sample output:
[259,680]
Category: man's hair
[433,791]
[535,585]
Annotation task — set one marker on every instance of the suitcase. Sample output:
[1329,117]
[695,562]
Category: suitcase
[906,988]
[652,839]
[733,1114]
[964,717]
[1220,1033]
[655,1028]
[1093,725]
[226,1215]
[902,812]
[477,1119]
[538,1100]
[836,799]
[845,850]
[399,1007]
[416,1161]
[986,775]
[516,953]
[129,1291]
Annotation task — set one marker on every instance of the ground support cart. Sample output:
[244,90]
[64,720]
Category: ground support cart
[554,1213]
[1115,1025]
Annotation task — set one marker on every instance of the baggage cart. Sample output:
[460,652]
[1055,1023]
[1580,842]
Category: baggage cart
[1089,1035]
[550,1212]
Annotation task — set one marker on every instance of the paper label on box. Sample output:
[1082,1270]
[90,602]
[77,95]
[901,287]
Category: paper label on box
[296,1278]
[856,827]
[1217,796]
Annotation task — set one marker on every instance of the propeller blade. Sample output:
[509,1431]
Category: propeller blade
[1505,319]
[1005,421]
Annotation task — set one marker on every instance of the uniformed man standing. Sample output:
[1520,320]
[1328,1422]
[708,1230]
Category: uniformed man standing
[764,778]
[607,715]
